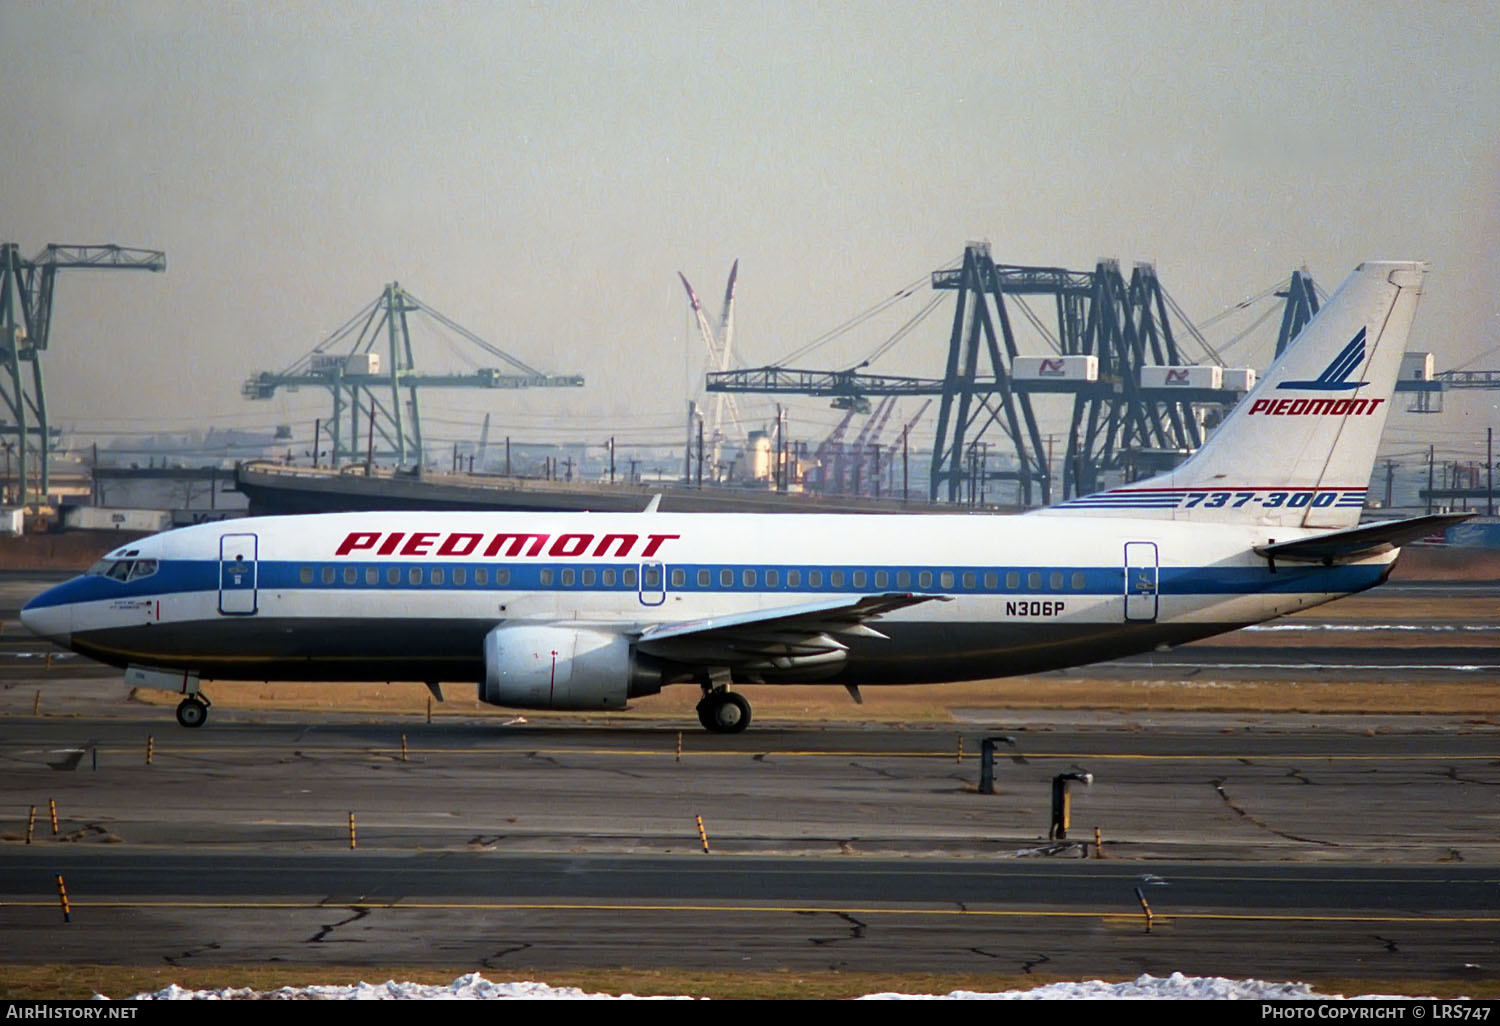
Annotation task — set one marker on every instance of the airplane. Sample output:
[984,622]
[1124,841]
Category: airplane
[587,611]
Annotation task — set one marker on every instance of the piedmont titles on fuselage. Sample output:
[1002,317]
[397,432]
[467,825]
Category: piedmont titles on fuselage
[509,544]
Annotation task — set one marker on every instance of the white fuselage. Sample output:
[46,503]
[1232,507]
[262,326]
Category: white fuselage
[410,596]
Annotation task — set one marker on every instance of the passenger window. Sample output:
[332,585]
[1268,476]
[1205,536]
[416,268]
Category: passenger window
[882,579]
[705,578]
[393,575]
[836,578]
[924,579]
[437,575]
[328,575]
[502,577]
[748,578]
[481,575]
[1012,580]
[1054,580]
[970,581]
[679,578]
[567,578]
[903,578]
[546,578]
[372,575]
[628,578]
[305,575]
[859,579]
[772,578]
[726,578]
[1034,581]
[609,578]
[351,575]
[460,575]
[1078,581]
[991,581]
[815,578]
[794,578]
[414,575]
[589,577]
[947,579]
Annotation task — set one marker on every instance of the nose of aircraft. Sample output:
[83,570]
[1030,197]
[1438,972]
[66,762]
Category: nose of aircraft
[49,619]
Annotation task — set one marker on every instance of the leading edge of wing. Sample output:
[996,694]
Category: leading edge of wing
[828,615]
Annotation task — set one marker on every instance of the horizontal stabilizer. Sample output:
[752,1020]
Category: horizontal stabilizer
[1358,542]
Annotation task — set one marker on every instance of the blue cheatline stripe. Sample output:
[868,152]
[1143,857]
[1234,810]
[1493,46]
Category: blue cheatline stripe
[183,577]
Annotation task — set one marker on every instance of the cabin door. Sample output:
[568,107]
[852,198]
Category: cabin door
[653,589]
[1141,580]
[238,574]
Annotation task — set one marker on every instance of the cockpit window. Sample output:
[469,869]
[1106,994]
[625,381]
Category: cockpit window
[123,569]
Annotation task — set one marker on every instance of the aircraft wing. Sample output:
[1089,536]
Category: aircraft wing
[804,636]
[1358,542]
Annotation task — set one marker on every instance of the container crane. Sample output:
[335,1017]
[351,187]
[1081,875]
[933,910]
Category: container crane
[26,293]
[366,382]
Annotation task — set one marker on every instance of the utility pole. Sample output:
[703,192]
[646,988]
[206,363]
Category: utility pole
[1430,482]
[905,464]
[776,470]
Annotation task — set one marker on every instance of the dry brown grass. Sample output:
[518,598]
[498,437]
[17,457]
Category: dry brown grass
[926,704]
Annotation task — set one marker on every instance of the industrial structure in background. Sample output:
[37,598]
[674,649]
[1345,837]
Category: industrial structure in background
[27,288]
[707,425]
[1139,405]
[368,362]
[1107,345]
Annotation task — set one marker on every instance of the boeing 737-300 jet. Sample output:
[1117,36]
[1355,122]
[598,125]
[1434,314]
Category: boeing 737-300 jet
[587,611]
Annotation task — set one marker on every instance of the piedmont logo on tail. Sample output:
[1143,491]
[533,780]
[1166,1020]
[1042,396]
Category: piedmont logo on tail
[588,611]
[1335,376]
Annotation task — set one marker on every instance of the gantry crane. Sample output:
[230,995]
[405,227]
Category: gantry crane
[26,293]
[366,378]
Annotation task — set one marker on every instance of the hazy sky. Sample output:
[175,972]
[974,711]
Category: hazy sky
[540,172]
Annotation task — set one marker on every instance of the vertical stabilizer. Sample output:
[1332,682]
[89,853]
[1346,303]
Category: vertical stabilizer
[1299,449]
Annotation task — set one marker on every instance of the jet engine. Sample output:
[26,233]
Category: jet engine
[546,667]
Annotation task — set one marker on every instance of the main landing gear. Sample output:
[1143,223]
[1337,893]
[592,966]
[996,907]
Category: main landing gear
[723,711]
[193,710]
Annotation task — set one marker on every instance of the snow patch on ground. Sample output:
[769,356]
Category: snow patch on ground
[475,987]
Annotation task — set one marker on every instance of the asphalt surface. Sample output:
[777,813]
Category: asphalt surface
[1268,845]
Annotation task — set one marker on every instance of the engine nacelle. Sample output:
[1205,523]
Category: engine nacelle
[543,667]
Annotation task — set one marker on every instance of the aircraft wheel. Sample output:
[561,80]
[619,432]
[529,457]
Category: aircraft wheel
[191,712]
[724,712]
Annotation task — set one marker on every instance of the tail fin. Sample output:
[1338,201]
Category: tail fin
[1299,449]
